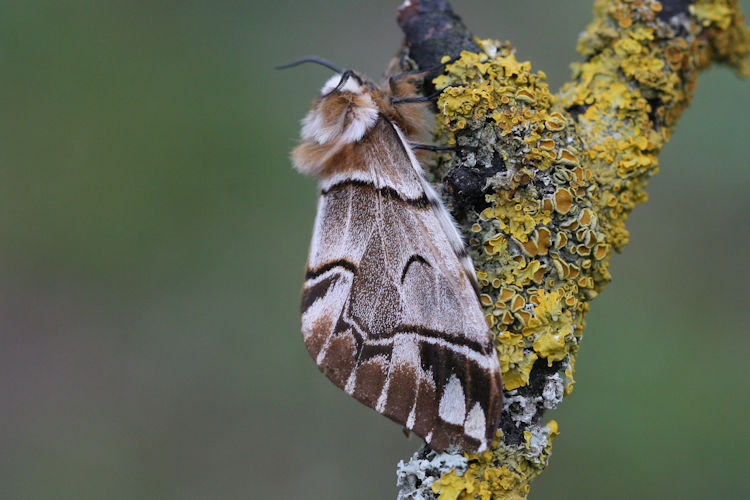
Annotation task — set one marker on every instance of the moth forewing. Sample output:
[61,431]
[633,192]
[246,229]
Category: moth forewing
[389,308]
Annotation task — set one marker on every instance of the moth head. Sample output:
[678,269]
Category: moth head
[343,113]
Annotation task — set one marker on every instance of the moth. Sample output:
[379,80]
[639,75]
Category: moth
[390,309]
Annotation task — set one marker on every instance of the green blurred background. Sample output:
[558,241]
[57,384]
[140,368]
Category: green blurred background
[153,237]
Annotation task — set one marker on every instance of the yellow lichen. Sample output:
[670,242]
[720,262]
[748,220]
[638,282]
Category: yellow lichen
[551,324]
[713,12]
[521,228]
[503,474]
[515,364]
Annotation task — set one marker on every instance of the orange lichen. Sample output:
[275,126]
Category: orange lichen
[506,294]
[566,157]
[556,122]
[517,303]
[525,95]
[547,205]
[563,200]
[485,299]
[530,247]
[543,235]
[547,144]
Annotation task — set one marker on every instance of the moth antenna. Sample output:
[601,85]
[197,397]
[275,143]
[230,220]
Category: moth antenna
[434,95]
[344,77]
[311,59]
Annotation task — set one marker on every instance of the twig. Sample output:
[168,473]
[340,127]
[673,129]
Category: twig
[542,186]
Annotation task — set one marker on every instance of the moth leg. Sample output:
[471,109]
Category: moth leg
[397,81]
[426,72]
[434,95]
[430,147]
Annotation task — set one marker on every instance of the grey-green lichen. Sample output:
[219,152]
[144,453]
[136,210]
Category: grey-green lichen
[416,476]
[573,167]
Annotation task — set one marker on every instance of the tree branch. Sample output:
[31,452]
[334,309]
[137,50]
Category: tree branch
[433,31]
[542,186]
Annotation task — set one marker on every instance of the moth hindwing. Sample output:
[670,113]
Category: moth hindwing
[389,306]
